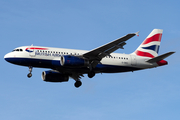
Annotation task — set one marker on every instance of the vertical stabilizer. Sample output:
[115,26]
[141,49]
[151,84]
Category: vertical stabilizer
[150,46]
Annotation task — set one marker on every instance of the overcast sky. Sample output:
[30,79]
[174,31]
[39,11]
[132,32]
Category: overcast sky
[152,94]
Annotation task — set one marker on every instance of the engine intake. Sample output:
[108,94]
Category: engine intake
[51,76]
[73,61]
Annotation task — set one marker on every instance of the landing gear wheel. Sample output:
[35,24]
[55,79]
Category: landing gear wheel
[77,84]
[30,70]
[91,74]
[29,75]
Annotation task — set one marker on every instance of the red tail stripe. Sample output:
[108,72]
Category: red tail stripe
[156,37]
[144,54]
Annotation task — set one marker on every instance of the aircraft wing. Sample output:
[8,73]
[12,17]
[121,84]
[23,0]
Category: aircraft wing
[102,51]
[97,54]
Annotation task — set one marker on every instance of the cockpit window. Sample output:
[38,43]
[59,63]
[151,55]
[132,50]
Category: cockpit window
[17,50]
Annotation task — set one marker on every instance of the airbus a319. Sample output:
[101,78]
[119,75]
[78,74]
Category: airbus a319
[71,63]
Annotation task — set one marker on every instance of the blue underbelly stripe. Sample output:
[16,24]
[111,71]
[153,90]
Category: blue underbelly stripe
[53,64]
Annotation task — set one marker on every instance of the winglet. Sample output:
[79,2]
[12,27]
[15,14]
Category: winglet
[137,33]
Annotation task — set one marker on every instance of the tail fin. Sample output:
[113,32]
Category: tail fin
[150,46]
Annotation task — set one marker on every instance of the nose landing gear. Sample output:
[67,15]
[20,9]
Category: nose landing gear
[29,75]
[30,70]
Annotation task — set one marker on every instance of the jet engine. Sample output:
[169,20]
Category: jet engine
[73,61]
[52,76]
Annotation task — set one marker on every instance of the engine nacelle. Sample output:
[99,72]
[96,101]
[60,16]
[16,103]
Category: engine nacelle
[73,61]
[51,76]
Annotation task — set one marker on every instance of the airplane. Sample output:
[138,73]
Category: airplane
[71,63]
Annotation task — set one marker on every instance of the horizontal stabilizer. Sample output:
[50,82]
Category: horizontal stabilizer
[159,58]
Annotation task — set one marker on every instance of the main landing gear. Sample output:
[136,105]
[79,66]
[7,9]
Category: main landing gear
[91,74]
[30,70]
[77,83]
[77,78]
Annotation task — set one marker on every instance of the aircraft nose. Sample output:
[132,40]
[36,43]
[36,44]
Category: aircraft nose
[7,57]
[11,58]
